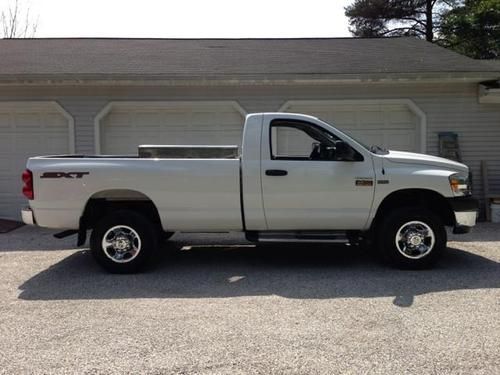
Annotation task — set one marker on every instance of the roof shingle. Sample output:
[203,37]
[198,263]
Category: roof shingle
[228,58]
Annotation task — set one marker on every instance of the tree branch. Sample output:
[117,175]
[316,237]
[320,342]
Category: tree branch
[402,29]
[420,22]
[17,22]
[13,20]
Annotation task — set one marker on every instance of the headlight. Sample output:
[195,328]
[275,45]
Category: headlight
[459,184]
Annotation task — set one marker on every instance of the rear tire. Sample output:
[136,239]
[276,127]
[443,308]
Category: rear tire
[411,238]
[124,241]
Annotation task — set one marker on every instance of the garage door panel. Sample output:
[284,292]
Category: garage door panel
[205,118]
[400,140]
[396,140]
[229,118]
[25,132]
[182,137]
[400,117]
[345,118]
[368,137]
[124,128]
[291,141]
[393,126]
[370,118]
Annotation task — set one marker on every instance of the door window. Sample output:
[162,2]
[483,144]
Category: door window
[298,140]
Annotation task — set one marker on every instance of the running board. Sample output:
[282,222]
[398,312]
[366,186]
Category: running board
[310,237]
[65,233]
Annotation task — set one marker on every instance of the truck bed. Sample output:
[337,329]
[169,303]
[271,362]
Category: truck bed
[190,194]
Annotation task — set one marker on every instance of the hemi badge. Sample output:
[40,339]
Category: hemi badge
[382,182]
[364,183]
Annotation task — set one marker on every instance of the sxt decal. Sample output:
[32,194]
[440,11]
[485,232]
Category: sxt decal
[63,174]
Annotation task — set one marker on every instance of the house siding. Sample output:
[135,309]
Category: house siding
[448,106]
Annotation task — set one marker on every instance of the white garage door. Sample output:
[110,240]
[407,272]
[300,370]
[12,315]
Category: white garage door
[127,125]
[26,129]
[391,125]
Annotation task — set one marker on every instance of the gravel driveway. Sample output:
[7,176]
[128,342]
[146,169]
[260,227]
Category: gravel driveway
[222,309]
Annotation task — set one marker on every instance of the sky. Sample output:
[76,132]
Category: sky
[188,18]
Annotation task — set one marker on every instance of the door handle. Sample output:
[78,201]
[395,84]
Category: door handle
[276,172]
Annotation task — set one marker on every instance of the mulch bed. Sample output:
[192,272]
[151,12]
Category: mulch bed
[8,225]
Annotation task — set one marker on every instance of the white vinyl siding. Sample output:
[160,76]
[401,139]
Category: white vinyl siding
[26,130]
[478,129]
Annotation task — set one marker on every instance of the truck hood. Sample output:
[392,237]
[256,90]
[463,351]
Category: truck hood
[414,158]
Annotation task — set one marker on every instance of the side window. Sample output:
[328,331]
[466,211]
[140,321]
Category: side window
[298,140]
[290,142]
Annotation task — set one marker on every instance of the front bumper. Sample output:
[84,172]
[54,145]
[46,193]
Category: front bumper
[465,210]
[28,217]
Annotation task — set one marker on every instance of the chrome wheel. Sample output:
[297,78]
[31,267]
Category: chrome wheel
[121,244]
[415,239]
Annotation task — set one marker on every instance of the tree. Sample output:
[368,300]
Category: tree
[375,18]
[17,22]
[473,29]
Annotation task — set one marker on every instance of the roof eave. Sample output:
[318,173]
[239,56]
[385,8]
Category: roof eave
[250,79]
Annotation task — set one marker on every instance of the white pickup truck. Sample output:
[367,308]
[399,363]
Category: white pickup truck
[296,179]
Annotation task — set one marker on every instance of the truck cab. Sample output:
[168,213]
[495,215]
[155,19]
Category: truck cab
[309,176]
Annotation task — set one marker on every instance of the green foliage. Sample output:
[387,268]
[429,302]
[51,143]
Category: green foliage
[370,18]
[470,27]
[473,29]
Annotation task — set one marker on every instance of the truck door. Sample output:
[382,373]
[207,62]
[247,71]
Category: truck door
[312,179]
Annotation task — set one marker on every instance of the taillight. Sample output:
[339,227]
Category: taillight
[28,184]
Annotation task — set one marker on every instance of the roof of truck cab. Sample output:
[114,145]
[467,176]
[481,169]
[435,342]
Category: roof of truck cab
[102,58]
[288,115]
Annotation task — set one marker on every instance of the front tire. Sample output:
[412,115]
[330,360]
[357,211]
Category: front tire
[411,238]
[123,241]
